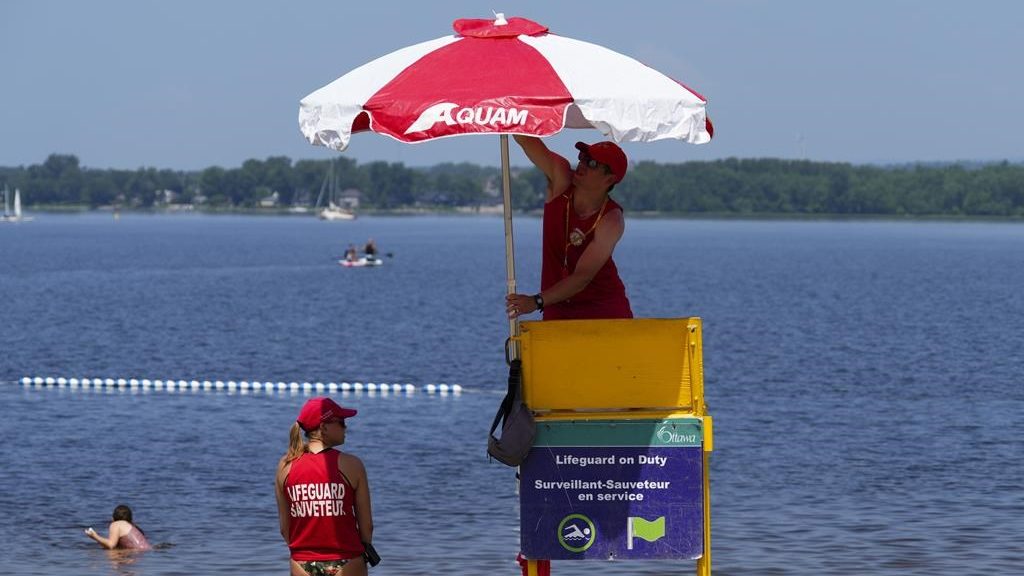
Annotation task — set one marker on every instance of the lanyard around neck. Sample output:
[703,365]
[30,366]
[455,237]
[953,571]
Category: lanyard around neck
[568,239]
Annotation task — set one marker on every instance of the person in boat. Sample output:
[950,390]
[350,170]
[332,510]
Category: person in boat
[323,497]
[581,227]
[350,253]
[370,249]
[123,533]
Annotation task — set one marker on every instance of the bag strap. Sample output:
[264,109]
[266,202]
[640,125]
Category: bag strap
[515,378]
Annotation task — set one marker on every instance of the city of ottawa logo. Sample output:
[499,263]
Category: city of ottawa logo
[451,114]
[576,533]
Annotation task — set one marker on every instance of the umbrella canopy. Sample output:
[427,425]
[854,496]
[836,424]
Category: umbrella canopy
[503,77]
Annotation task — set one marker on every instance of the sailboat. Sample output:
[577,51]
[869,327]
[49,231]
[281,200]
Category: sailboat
[13,215]
[332,211]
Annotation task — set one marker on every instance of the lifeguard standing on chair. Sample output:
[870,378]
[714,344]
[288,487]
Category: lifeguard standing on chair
[582,225]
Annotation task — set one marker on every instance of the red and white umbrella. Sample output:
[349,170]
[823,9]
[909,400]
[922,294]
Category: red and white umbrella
[503,77]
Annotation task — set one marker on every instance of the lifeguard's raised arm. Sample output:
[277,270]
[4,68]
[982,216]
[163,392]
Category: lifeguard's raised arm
[555,167]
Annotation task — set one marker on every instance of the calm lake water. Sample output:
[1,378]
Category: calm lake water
[866,380]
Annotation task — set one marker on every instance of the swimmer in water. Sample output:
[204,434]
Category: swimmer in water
[122,534]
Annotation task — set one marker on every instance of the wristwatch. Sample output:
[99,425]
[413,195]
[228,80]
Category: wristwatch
[539,301]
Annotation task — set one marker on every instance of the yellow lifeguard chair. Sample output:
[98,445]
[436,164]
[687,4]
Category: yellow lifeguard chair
[623,432]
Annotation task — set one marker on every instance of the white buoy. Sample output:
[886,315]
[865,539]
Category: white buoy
[232,385]
[371,386]
[345,386]
[357,386]
[410,389]
[62,381]
[26,380]
[243,385]
[49,381]
[456,389]
[108,382]
[170,385]
[37,380]
[293,386]
[431,388]
[332,387]
[158,384]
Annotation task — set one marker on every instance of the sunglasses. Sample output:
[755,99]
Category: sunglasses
[593,164]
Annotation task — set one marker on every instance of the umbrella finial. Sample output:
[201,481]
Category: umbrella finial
[499,18]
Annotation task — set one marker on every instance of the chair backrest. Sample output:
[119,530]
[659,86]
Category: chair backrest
[596,365]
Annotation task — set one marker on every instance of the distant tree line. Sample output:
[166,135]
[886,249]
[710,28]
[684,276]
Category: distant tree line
[732,186]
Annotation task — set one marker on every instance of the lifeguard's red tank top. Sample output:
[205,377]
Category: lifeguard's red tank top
[605,296]
[321,503]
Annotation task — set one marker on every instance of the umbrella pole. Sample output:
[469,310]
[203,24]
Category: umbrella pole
[510,257]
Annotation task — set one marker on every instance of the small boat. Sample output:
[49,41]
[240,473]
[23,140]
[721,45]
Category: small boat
[13,214]
[333,211]
[361,262]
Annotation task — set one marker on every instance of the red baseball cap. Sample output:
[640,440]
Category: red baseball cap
[319,410]
[609,154]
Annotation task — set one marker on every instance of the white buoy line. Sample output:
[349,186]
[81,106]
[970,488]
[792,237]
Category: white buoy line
[240,386]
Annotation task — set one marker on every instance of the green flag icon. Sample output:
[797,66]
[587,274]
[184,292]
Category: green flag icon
[649,530]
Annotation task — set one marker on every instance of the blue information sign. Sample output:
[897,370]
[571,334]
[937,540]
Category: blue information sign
[614,489]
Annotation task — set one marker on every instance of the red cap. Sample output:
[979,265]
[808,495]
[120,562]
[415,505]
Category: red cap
[609,154]
[319,410]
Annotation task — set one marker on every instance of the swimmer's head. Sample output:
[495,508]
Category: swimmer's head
[122,512]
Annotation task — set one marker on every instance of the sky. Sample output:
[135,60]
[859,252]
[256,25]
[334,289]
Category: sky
[188,84]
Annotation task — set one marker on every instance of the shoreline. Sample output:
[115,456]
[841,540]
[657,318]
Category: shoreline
[491,211]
